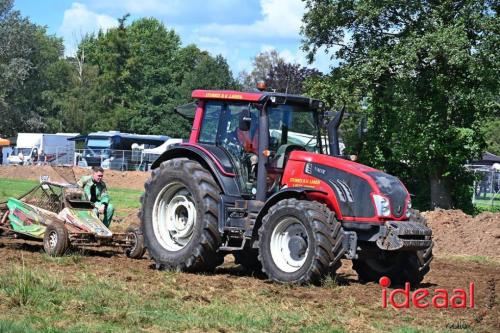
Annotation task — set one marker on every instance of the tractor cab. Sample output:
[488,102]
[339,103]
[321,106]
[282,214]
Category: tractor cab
[255,133]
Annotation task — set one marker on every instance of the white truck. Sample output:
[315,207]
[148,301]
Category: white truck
[56,148]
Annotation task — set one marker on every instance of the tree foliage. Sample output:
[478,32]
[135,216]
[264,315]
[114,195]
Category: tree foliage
[424,73]
[128,78]
[278,74]
[29,61]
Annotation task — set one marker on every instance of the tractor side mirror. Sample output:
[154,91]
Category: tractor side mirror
[245,120]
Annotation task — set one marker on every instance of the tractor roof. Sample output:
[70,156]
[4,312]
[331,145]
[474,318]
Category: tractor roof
[259,97]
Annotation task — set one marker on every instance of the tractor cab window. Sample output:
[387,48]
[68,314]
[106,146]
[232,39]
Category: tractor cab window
[293,126]
[212,115]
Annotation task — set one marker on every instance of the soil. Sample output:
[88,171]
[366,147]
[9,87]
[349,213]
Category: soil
[129,179]
[455,234]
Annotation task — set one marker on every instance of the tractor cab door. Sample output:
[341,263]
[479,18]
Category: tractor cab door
[291,127]
[220,128]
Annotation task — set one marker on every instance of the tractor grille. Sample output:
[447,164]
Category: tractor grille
[393,189]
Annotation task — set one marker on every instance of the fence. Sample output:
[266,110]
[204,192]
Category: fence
[487,188]
[123,160]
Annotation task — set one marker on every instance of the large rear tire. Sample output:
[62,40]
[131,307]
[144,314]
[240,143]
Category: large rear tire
[400,266]
[56,239]
[300,242]
[179,216]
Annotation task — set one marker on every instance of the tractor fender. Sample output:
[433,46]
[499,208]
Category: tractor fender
[287,193]
[226,180]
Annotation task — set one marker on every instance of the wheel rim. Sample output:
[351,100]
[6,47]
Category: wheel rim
[174,217]
[52,239]
[289,245]
[132,238]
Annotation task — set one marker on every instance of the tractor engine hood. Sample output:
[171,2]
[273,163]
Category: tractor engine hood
[361,191]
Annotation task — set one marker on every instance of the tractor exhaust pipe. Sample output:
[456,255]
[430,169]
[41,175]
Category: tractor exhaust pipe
[333,135]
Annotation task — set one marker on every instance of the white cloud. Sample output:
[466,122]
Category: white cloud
[322,61]
[280,18]
[78,21]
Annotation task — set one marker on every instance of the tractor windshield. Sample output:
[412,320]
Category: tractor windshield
[294,125]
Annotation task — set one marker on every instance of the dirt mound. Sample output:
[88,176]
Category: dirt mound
[460,234]
[129,179]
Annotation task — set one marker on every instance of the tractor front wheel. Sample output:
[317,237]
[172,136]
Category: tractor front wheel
[300,242]
[56,239]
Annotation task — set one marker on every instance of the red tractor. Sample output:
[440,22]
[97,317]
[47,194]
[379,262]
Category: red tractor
[261,178]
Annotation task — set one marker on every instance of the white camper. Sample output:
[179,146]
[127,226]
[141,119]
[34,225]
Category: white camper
[148,156]
[56,147]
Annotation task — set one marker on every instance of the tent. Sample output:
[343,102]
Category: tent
[4,142]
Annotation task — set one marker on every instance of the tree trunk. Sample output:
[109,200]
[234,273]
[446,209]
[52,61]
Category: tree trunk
[440,194]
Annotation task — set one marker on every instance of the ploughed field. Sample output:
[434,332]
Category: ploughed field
[99,290]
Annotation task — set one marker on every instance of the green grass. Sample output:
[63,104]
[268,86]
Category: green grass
[47,302]
[486,204]
[123,199]
[14,187]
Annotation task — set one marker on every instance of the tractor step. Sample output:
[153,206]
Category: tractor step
[233,239]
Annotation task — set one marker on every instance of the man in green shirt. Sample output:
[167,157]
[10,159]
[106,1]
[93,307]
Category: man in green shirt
[97,193]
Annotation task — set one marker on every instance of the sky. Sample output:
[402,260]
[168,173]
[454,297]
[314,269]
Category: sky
[236,29]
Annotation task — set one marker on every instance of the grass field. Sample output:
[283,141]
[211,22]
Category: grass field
[125,200]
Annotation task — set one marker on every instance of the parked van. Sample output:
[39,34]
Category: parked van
[56,148]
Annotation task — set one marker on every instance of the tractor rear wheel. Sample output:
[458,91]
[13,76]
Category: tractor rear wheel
[400,266]
[300,242]
[179,216]
[56,239]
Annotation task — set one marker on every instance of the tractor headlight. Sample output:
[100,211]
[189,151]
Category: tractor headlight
[408,209]
[382,205]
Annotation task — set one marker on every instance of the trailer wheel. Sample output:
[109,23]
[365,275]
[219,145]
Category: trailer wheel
[179,216]
[299,242]
[401,266]
[137,250]
[56,239]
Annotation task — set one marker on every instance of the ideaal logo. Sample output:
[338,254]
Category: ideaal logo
[423,298]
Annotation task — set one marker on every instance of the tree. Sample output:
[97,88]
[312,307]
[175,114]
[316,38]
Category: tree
[278,74]
[425,71]
[143,73]
[28,58]
[262,64]
[491,131]
[289,78]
